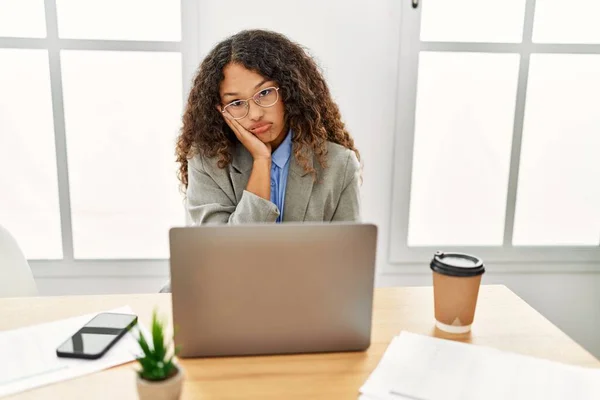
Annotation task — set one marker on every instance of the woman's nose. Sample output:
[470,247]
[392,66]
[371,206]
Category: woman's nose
[255,112]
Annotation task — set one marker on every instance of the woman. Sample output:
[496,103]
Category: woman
[262,139]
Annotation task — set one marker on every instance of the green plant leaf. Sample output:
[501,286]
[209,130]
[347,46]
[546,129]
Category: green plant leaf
[143,344]
[168,369]
[158,337]
[155,364]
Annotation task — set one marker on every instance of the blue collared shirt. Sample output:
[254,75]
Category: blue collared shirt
[279,173]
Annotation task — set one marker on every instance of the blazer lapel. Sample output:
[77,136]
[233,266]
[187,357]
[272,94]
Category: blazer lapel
[240,171]
[297,192]
[298,189]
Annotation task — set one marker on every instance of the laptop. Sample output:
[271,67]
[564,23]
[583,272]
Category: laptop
[272,288]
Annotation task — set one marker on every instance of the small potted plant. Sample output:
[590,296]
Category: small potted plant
[159,378]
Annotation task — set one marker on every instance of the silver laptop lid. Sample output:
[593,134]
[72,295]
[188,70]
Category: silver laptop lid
[272,288]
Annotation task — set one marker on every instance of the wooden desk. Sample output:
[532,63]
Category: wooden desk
[502,321]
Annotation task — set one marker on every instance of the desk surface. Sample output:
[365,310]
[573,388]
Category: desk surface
[503,321]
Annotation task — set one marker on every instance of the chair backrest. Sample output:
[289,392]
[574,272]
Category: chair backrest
[16,279]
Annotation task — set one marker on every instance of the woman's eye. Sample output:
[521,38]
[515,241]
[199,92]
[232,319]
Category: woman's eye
[264,93]
[237,103]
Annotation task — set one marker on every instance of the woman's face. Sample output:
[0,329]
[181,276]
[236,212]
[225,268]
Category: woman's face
[266,123]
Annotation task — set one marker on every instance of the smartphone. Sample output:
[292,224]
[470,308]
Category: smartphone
[96,337]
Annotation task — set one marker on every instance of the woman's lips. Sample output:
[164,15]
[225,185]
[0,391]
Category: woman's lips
[262,128]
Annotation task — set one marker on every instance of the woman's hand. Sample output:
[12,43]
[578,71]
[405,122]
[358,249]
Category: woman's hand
[258,149]
[259,182]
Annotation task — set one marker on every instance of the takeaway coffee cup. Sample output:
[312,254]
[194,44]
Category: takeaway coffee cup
[456,280]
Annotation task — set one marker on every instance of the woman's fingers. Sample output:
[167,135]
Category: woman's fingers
[256,147]
[229,120]
[233,121]
[242,133]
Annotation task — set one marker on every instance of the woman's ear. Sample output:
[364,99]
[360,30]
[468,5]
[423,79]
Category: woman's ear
[218,107]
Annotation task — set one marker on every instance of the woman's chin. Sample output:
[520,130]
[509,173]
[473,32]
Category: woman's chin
[266,139]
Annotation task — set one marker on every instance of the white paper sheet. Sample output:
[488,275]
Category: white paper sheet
[424,368]
[28,355]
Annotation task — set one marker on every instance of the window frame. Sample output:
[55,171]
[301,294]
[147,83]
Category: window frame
[400,254]
[188,47]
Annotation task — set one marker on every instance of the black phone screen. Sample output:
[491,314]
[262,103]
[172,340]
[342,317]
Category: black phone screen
[97,336]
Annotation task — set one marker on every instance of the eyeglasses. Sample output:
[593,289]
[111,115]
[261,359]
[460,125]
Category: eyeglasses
[267,97]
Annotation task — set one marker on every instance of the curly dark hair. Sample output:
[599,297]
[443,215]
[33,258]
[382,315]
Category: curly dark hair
[309,108]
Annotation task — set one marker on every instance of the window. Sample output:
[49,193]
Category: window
[91,99]
[29,205]
[498,131]
[22,18]
[124,194]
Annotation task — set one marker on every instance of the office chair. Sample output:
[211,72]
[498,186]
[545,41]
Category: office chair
[16,279]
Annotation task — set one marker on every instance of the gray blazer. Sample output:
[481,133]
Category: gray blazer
[217,195]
